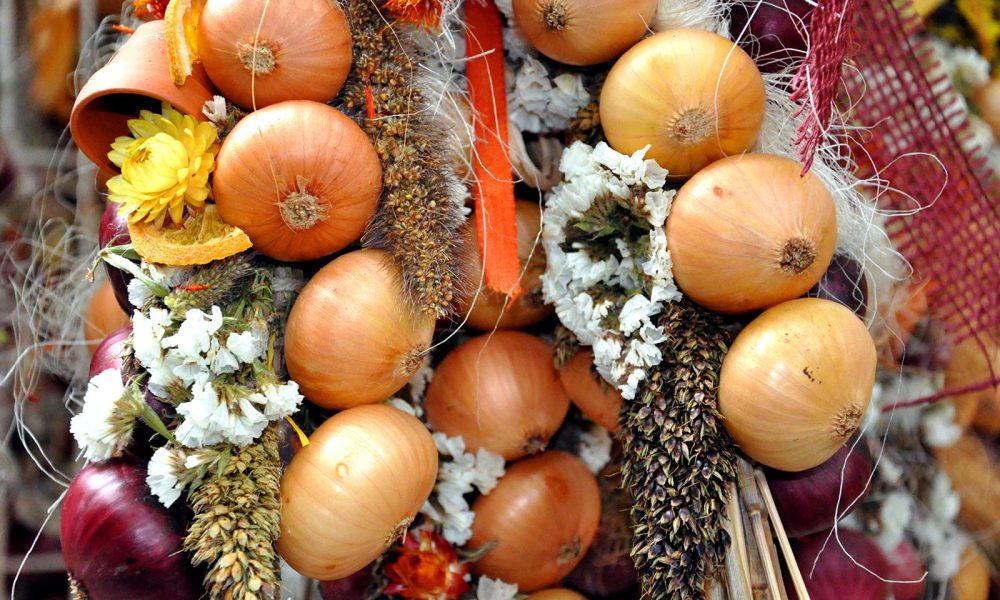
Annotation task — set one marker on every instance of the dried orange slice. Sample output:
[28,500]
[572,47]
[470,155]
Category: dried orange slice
[202,238]
[181,28]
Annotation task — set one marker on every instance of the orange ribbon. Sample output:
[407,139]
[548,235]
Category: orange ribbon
[495,213]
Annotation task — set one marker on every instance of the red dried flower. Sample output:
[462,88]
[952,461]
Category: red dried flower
[419,12]
[428,568]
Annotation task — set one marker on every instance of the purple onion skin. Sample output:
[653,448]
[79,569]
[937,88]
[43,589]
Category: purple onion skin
[352,587]
[114,231]
[109,354]
[905,565]
[836,577]
[120,542]
[807,500]
[597,576]
[843,282]
[776,36]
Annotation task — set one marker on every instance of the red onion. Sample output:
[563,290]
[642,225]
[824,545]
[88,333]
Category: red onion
[905,565]
[844,282]
[109,354]
[353,587]
[836,577]
[607,569]
[120,542]
[776,35]
[807,500]
[114,231]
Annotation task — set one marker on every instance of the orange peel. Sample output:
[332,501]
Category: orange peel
[204,237]
[181,29]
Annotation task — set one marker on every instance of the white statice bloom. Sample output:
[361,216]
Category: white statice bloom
[215,110]
[210,420]
[221,359]
[944,502]
[568,96]
[948,543]
[94,428]
[631,169]
[139,293]
[247,346]
[939,427]
[161,375]
[418,384]
[165,473]
[147,336]
[540,104]
[488,470]
[194,337]
[894,515]
[281,400]
[595,448]
[403,405]
[889,471]
[635,313]
[495,589]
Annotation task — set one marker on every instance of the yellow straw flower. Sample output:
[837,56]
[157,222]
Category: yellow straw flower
[165,166]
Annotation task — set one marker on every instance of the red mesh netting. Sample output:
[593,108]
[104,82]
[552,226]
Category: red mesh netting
[915,143]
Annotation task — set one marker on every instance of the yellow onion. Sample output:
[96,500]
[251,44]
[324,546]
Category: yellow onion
[529,308]
[970,363]
[749,232]
[598,400]
[972,582]
[988,103]
[692,95]
[542,515]
[351,337]
[556,594]
[796,383]
[104,315]
[499,392]
[974,471]
[353,491]
[583,32]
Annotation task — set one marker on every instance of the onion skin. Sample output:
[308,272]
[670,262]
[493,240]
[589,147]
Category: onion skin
[971,362]
[300,178]
[694,96]
[108,354]
[796,383]
[351,337]
[354,490]
[352,587]
[309,40]
[845,282]
[775,35]
[905,565]
[749,232]
[498,392]
[972,582]
[598,401]
[103,316]
[543,514]
[529,308]
[556,594]
[119,541]
[836,577]
[113,231]
[583,32]
[974,470]
[807,500]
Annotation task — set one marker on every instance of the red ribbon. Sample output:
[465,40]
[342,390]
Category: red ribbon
[495,212]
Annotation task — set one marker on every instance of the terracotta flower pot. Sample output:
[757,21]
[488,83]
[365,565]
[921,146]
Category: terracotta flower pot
[138,77]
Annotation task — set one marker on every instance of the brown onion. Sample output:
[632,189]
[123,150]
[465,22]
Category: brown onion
[972,582]
[975,360]
[836,577]
[259,52]
[598,400]
[583,32]
[351,337]
[543,515]
[529,308]
[498,392]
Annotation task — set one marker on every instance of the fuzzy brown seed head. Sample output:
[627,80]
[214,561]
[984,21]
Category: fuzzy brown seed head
[797,255]
[257,58]
[300,210]
[398,532]
[555,15]
[847,421]
[692,126]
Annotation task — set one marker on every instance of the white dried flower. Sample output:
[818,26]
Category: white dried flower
[495,589]
[215,110]
[139,293]
[209,419]
[894,515]
[939,427]
[103,426]
[247,346]
[147,336]
[194,337]
[165,474]
[595,448]
[281,400]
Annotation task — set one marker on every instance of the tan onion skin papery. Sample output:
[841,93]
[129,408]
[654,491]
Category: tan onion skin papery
[692,95]
[310,42]
[797,382]
[974,360]
[556,594]
[598,401]
[350,494]
[729,226]
[583,32]
[351,337]
[270,151]
[499,392]
[543,515]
